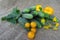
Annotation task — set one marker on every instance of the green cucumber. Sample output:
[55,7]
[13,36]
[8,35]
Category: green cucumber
[35,13]
[33,8]
[26,10]
[27,16]
[46,15]
[39,25]
[22,21]
[41,14]
[51,17]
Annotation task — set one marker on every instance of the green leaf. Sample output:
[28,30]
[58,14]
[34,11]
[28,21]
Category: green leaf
[13,16]
[12,21]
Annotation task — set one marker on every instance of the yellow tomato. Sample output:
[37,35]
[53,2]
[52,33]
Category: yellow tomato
[33,24]
[43,20]
[55,28]
[33,30]
[57,24]
[54,19]
[31,35]
[38,7]
[46,27]
[27,25]
[49,10]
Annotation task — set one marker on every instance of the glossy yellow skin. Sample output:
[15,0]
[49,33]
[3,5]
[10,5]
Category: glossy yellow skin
[27,25]
[49,10]
[33,24]
[31,35]
[33,30]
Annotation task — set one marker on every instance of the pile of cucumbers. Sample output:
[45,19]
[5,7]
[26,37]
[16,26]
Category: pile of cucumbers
[30,14]
[33,14]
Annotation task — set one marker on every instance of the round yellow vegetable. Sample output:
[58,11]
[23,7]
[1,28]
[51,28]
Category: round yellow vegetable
[31,35]
[43,20]
[57,24]
[33,30]
[55,28]
[46,27]
[33,24]
[27,25]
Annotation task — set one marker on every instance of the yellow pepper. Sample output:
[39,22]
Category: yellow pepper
[38,7]
[49,10]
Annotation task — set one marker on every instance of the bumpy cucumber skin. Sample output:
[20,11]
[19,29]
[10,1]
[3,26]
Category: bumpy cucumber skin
[22,20]
[27,16]
[41,14]
[33,8]
[39,25]
[26,10]
[34,13]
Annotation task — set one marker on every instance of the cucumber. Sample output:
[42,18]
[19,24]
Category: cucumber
[39,19]
[57,20]
[35,13]
[46,15]
[22,20]
[33,8]
[26,10]
[51,17]
[39,25]
[41,14]
[27,16]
